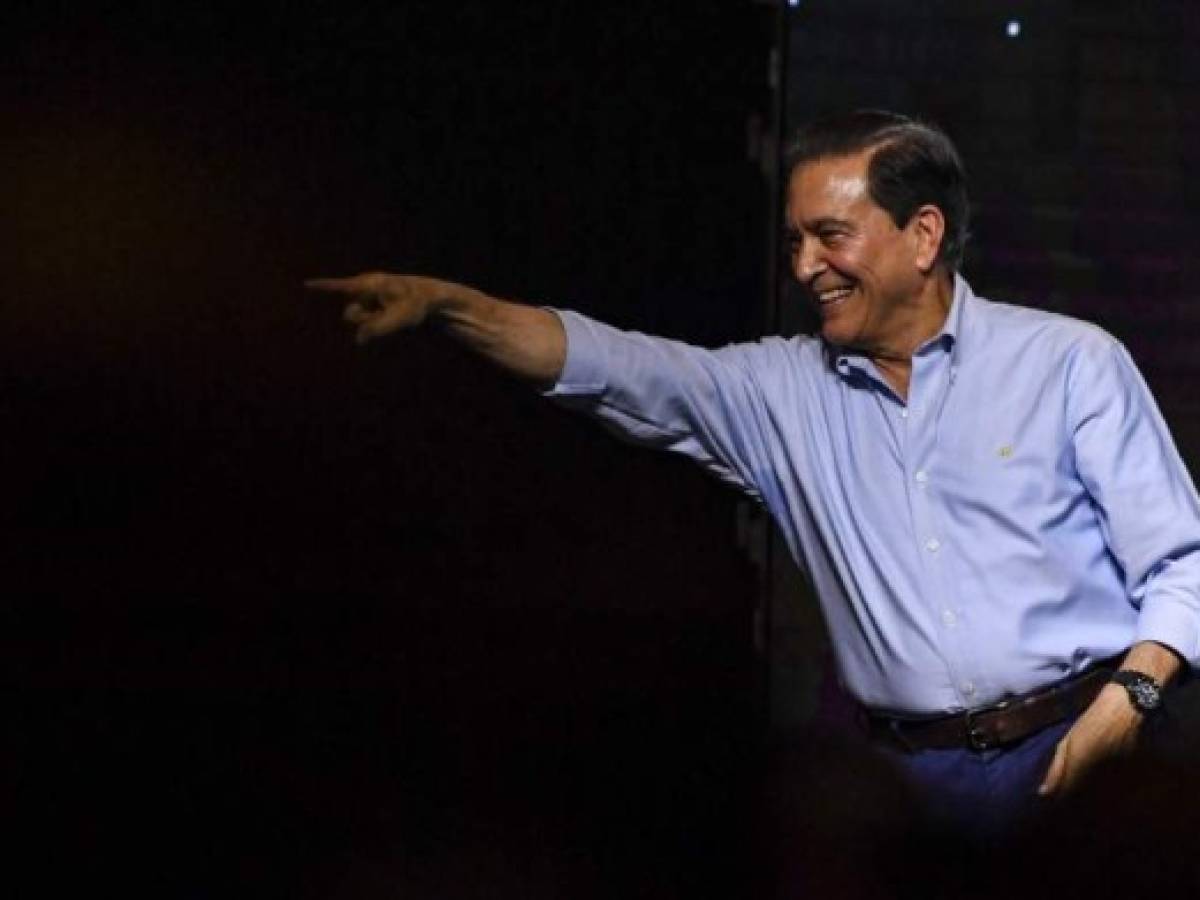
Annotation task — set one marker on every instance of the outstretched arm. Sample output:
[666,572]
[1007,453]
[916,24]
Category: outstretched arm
[656,392]
[522,340]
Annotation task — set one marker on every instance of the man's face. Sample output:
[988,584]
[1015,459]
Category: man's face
[861,271]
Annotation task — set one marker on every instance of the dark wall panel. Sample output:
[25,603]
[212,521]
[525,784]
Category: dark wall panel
[303,616]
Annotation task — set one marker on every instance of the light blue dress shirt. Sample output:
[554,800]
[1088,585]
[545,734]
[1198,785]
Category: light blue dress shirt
[1023,515]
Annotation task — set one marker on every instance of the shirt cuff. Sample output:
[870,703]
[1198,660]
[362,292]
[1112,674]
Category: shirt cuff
[1171,624]
[583,371]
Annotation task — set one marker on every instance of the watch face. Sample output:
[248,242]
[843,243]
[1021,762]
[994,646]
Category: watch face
[1145,695]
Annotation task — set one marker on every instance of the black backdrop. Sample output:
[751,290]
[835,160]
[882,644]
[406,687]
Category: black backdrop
[314,621]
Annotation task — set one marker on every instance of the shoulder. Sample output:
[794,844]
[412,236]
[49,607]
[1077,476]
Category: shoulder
[1077,360]
[1040,334]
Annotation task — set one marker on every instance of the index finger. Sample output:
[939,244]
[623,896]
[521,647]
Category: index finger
[355,284]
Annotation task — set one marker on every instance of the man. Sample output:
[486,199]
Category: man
[985,497]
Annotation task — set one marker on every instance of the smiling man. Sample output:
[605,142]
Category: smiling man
[1002,537]
[869,277]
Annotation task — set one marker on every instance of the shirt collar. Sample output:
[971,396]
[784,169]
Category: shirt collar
[952,328]
[847,362]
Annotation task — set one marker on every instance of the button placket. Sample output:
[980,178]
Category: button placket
[930,377]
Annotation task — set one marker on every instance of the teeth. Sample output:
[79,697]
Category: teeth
[834,295]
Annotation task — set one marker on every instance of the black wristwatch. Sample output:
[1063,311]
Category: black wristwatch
[1144,692]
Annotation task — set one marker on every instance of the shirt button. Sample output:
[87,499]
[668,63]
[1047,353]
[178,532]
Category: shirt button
[904,413]
[949,618]
[921,477]
[968,688]
[932,545]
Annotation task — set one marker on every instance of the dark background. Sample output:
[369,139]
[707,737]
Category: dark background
[313,621]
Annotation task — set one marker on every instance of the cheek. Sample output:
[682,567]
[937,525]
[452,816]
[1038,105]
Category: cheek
[881,264]
[854,265]
[845,260]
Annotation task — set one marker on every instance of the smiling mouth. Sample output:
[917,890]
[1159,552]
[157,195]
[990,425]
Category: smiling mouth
[831,298]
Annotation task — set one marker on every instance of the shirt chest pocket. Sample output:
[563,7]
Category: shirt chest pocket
[1011,454]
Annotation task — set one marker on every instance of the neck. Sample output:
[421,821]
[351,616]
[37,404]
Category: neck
[924,318]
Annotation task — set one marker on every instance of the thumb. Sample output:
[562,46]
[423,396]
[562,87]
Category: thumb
[367,330]
[1054,775]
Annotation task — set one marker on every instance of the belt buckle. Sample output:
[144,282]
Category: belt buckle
[977,737]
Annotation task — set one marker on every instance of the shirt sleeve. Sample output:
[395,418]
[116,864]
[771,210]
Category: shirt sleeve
[664,394]
[1144,497]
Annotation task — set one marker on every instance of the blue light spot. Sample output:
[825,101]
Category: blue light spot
[1013,28]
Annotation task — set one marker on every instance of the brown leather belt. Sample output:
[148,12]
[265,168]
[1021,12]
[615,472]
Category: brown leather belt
[996,725]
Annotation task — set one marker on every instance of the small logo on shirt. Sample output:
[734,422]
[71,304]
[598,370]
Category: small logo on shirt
[1005,452]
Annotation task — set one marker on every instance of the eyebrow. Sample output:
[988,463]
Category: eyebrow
[827,222]
[816,225]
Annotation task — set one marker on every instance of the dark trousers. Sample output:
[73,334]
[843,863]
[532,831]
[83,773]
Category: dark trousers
[982,793]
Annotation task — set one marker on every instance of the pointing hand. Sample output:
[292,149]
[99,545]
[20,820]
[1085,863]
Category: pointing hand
[379,304]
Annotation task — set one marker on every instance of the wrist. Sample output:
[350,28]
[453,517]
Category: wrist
[1143,693]
[1116,698]
[440,297]
[455,303]
[1155,660]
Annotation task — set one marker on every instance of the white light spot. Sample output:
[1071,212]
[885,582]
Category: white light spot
[846,189]
[1013,28]
[793,3]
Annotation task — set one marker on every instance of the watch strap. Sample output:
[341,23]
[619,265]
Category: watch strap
[1144,692]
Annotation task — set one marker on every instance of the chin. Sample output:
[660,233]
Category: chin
[834,335]
[840,326]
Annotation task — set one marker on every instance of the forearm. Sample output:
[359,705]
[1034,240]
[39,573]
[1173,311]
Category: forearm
[524,341]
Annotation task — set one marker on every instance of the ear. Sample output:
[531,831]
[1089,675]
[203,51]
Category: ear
[928,227]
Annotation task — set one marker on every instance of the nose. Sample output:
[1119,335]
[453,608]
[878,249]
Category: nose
[807,263]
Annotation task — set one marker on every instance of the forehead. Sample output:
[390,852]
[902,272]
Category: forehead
[829,186]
